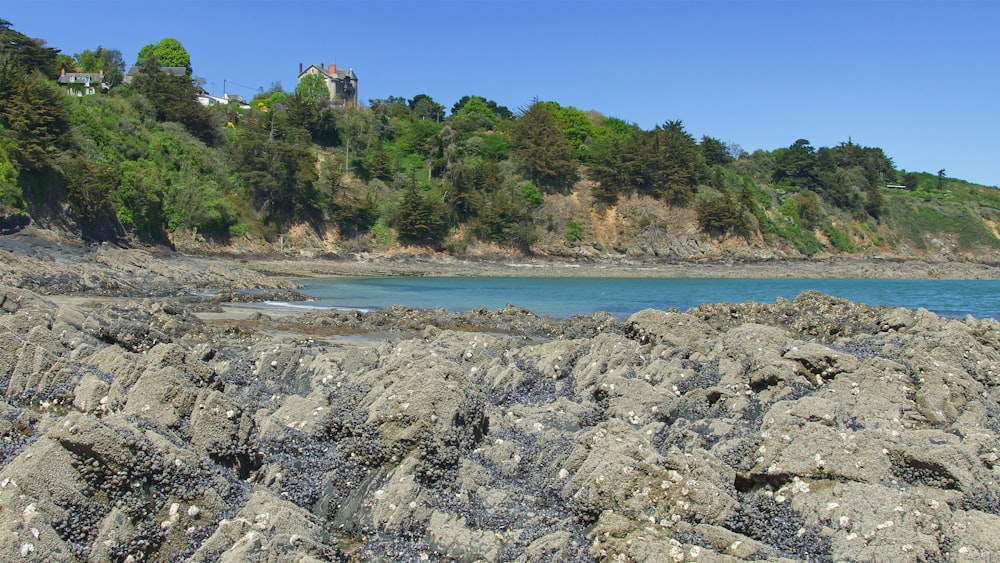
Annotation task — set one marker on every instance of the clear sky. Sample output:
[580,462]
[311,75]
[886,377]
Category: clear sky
[920,79]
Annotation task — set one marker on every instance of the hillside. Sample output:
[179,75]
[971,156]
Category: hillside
[144,163]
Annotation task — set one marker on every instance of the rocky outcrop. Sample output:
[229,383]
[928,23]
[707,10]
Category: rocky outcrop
[55,266]
[812,429]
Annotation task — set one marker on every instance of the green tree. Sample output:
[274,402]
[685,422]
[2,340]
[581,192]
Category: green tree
[425,108]
[874,201]
[665,163]
[722,214]
[577,127]
[824,169]
[422,218]
[794,165]
[34,125]
[317,117]
[312,88]
[505,218]
[89,194]
[352,213]
[810,210]
[498,111]
[474,115]
[168,52]
[421,137]
[543,152]
[379,165]
[20,54]
[108,61]
[113,65]
[10,192]
[173,98]
[609,169]
[676,163]
[461,193]
[89,61]
[714,151]
[32,115]
[613,128]
[274,162]
[532,196]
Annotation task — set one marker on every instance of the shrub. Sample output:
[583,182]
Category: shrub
[720,214]
[838,239]
[574,231]
[532,196]
[384,237]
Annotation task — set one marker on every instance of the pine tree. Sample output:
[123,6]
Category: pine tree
[544,153]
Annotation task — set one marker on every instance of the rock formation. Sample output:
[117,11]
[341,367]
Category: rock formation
[812,429]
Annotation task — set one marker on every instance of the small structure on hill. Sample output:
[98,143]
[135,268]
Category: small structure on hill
[174,70]
[82,83]
[342,84]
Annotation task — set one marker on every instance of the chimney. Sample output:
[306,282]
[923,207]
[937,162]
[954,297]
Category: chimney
[333,70]
[300,68]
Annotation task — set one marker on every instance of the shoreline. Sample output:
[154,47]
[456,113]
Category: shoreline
[832,268]
[147,400]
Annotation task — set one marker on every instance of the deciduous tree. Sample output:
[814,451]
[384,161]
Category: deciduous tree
[312,88]
[169,52]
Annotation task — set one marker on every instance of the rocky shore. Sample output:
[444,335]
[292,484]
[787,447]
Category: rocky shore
[143,421]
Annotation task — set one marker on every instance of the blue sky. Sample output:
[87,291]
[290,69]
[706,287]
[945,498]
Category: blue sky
[920,79]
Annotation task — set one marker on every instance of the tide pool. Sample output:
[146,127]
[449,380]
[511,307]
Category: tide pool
[564,297]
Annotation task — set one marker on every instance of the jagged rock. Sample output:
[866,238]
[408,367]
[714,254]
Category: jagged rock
[811,429]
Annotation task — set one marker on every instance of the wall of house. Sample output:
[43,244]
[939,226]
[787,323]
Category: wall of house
[341,89]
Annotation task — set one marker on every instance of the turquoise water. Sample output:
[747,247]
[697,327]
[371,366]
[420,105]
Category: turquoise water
[563,297]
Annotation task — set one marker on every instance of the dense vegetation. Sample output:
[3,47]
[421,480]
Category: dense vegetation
[143,161]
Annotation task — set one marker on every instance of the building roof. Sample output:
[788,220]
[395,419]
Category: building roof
[80,77]
[174,70]
[330,71]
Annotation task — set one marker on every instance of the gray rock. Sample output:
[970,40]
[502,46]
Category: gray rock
[811,429]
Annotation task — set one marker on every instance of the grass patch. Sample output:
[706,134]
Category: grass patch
[840,240]
[914,220]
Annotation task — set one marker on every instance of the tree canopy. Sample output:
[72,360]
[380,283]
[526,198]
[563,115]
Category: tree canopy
[543,151]
[312,87]
[168,52]
[146,159]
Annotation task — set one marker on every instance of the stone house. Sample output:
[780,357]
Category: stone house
[82,83]
[342,84]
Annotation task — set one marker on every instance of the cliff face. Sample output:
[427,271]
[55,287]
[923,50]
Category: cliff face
[643,229]
[809,429]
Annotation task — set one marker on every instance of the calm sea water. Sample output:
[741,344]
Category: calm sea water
[563,297]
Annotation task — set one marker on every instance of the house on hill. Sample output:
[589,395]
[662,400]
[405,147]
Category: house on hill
[82,83]
[174,70]
[342,84]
